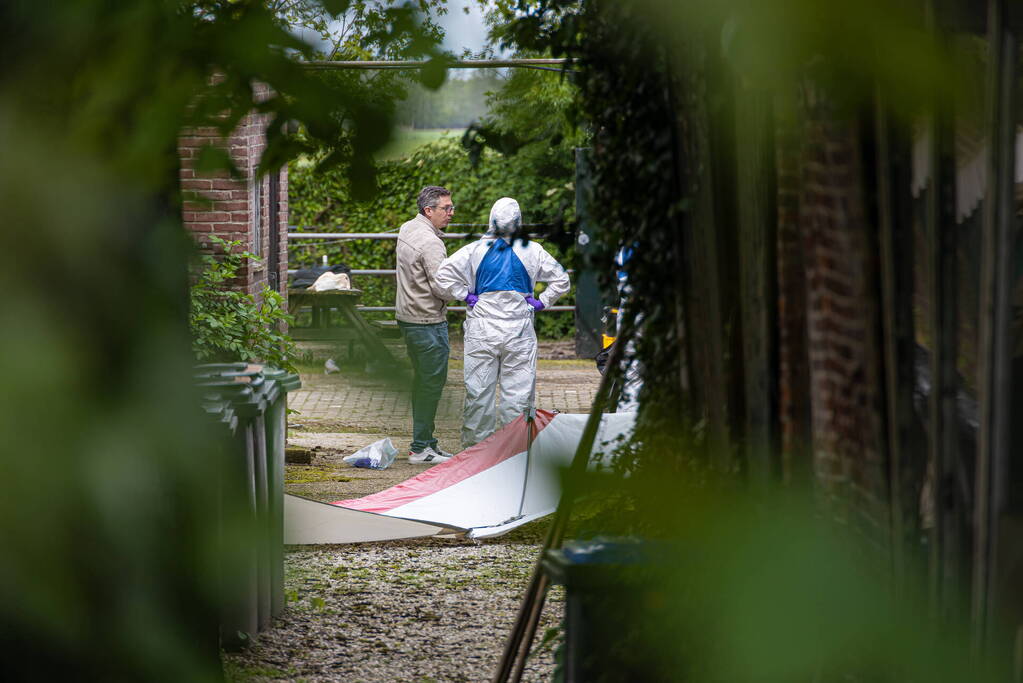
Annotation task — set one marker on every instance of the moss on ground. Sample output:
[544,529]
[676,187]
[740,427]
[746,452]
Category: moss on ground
[238,672]
[308,474]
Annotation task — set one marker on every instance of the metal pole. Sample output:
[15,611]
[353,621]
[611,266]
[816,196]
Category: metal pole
[452,64]
[530,415]
[340,228]
[453,309]
[392,271]
[384,235]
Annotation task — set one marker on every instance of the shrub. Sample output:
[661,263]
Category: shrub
[229,325]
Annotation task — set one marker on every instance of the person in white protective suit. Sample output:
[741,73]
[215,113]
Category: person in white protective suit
[496,277]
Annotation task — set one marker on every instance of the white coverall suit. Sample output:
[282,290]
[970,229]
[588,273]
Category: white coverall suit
[500,342]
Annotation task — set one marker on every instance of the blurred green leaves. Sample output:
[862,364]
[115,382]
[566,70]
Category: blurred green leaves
[745,587]
[755,585]
[354,121]
[148,70]
[115,514]
[433,73]
[336,7]
[110,568]
[212,158]
[848,48]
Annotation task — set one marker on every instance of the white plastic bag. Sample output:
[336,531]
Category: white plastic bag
[329,281]
[377,456]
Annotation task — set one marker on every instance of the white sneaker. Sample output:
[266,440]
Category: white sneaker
[428,456]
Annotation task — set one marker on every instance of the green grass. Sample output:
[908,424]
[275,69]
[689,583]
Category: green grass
[407,140]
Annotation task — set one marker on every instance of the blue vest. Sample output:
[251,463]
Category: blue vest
[501,270]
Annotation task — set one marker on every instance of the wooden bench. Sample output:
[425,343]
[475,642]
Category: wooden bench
[355,328]
[387,328]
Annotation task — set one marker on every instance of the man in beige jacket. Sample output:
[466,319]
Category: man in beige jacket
[421,311]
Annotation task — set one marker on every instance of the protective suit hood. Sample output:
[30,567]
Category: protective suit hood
[505,218]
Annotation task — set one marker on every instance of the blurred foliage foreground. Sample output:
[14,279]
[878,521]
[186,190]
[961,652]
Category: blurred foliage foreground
[709,582]
[738,583]
[109,518]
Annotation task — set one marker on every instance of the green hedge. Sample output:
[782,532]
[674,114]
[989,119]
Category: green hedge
[320,202]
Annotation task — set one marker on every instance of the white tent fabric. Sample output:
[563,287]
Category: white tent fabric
[308,522]
[482,492]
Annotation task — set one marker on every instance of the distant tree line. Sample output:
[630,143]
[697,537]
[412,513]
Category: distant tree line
[456,104]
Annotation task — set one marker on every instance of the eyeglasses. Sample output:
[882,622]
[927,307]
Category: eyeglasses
[445,209]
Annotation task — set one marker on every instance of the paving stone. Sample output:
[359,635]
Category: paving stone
[353,399]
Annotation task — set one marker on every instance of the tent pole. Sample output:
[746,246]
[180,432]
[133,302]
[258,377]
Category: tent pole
[530,415]
[517,648]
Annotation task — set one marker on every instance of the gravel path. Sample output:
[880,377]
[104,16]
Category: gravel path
[423,610]
[411,611]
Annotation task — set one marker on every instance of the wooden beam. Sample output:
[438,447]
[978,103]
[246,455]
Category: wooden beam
[758,282]
[705,329]
[994,351]
[948,544]
[906,459]
[689,407]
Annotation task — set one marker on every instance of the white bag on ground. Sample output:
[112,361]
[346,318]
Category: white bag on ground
[377,456]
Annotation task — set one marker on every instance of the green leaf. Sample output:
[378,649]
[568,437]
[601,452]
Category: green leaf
[212,159]
[433,73]
[336,7]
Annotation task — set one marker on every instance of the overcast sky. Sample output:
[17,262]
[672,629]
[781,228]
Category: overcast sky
[463,30]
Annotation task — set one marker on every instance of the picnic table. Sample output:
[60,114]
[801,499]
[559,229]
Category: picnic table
[353,329]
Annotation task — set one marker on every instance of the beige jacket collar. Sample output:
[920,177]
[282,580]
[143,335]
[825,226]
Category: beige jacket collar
[426,221]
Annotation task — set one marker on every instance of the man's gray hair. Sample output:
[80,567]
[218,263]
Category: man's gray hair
[429,195]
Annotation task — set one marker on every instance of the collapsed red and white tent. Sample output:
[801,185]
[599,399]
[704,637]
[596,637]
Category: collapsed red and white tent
[484,491]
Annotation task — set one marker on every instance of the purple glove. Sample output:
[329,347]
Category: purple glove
[535,303]
[471,299]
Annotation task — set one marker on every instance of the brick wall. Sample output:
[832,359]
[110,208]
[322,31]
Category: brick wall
[793,358]
[829,319]
[234,204]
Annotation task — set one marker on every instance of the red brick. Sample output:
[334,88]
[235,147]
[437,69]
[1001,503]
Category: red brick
[213,217]
[228,213]
[193,141]
[196,184]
